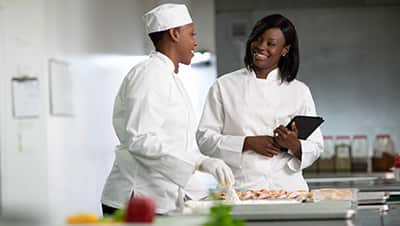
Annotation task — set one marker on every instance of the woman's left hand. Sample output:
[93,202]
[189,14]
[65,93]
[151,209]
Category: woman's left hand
[288,139]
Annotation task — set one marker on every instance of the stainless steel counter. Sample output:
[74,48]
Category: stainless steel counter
[364,182]
[365,217]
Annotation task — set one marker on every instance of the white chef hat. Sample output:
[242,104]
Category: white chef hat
[166,16]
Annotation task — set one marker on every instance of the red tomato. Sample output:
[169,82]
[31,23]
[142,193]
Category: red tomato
[140,209]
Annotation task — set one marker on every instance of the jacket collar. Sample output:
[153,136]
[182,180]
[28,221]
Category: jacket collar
[165,60]
[273,75]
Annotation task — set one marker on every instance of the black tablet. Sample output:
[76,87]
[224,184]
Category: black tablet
[306,125]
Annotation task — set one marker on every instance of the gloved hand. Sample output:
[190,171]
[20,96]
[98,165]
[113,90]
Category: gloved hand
[218,169]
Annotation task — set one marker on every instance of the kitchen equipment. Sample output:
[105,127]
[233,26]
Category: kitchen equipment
[279,209]
[372,198]
[333,209]
[325,194]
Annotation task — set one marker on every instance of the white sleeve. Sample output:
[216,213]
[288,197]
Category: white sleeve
[147,138]
[209,135]
[313,146]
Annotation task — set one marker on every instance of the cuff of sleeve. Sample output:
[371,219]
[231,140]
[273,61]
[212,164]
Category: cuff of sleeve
[199,161]
[232,150]
[294,163]
[179,175]
[307,157]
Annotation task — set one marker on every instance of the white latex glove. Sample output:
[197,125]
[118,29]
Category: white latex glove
[231,195]
[218,169]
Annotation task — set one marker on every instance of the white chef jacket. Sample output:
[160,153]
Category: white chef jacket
[155,124]
[238,105]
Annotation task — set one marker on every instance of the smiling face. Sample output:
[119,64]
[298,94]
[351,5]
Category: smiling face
[267,50]
[187,44]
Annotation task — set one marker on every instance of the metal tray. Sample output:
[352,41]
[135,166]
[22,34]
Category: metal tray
[368,198]
[332,209]
[280,209]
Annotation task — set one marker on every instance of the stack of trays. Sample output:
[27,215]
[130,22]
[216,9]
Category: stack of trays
[374,200]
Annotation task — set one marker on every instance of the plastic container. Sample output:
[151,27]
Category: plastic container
[325,194]
[326,162]
[359,153]
[384,154]
[343,153]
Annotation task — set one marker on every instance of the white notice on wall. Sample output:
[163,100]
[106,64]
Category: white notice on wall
[26,97]
[61,88]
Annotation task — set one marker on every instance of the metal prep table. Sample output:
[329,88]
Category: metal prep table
[364,217]
[364,182]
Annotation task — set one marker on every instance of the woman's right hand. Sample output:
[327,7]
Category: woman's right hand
[263,145]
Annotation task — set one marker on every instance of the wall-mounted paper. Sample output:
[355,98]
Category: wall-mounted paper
[61,89]
[26,97]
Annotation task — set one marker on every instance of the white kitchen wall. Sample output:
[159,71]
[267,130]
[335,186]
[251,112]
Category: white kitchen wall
[23,153]
[52,166]
[2,89]
[203,13]
[101,41]
[81,158]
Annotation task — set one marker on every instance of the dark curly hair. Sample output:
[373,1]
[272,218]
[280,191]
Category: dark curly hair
[289,64]
[156,38]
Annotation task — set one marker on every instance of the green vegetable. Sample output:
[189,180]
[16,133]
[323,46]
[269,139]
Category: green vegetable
[220,215]
[119,215]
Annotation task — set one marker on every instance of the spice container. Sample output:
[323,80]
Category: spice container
[343,154]
[359,153]
[383,158]
[326,162]
[397,167]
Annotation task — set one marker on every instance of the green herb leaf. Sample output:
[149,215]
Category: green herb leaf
[220,215]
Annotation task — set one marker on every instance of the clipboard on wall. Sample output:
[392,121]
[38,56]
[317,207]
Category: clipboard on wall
[25,97]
